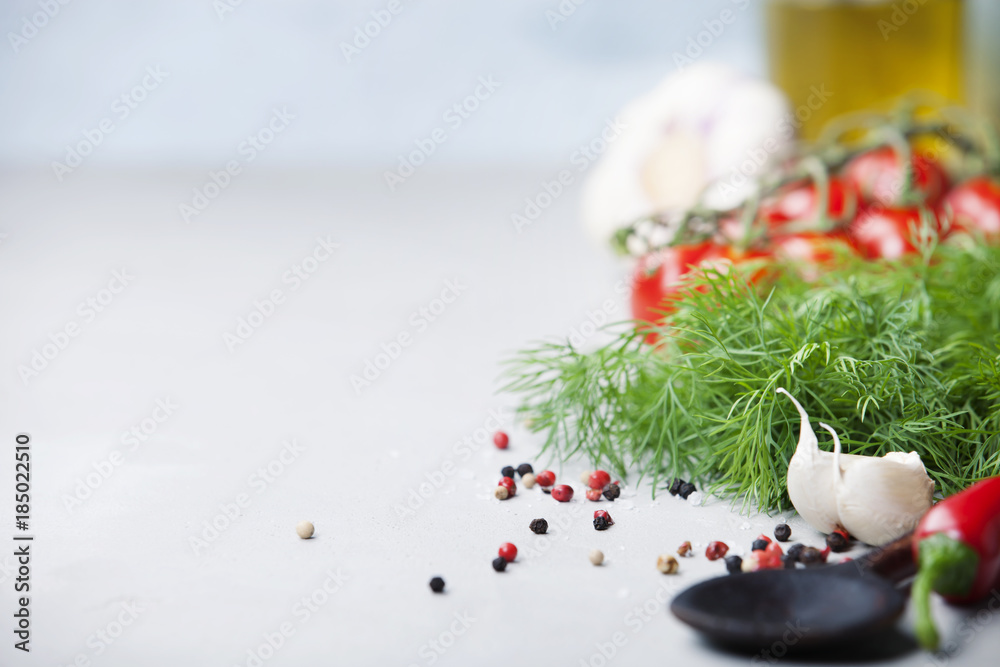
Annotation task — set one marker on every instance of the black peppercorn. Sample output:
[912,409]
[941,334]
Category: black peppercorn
[675,487]
[758,545]
[600,523]
[734,564]
[810,556]
[837,541]
[539,526]
[499,564]
[789,561]
[782,532]
[612,492]
[524,469]
[437,584]
[687,488]
[794,551]
[507,471]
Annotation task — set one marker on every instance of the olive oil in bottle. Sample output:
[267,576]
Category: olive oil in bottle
[836,56]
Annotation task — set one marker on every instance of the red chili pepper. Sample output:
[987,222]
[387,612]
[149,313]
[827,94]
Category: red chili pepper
[957,548]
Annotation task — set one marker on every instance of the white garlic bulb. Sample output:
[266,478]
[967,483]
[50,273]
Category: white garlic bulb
[880,499]
[706,126]
[875,499]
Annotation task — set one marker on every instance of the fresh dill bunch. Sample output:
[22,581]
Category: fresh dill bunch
[897,356]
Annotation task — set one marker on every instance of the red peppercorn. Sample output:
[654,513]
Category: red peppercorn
[563,493]
[599,479]
[604,515]
[501,440]
[769,558]
[593,494]
[716,550]
[508,551]
[545,478]
[838,541]
[508,484]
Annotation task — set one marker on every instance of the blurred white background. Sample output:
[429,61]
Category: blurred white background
[562,74]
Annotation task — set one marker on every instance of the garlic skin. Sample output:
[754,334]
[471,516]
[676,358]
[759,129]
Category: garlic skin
[810,484]
[880,499]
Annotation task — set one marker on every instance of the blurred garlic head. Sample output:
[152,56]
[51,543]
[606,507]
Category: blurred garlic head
[880,499]
[875,499]
[707,126]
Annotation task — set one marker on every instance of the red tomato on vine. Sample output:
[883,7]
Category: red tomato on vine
[887,233]
[877,177]
[975,207]
[800,201]
[659,276]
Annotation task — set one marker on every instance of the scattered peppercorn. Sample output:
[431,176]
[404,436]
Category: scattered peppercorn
[675,487]
[524,469]
[508,551]
[685,550]
[596,557]
[304,529]
[508,471]
[585,476]
[734,564]
[789,561]
[501,440]
[613,491]
[501,493]
[437,584]
[758,545]
[810,556]
[528,480]
[605,515]
[749,564]
[499,564]
[782,532]
[762,536]
[598,479]
[508,483]
[837,541]
[563,493]
[687,488]
[545,478]
[794,551]
[770,558]
[667,564]
[716,550]
[539,526]
[594,494]
[600,523]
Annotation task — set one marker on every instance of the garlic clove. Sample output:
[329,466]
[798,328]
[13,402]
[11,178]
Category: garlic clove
[809,483]
[880,499]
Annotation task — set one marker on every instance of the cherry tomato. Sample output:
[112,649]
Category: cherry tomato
[800,201]
[878,177]
[811,250]
[887,233]
[658,278]
[975,205]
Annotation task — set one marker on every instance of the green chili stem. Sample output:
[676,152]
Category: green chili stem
[947,566]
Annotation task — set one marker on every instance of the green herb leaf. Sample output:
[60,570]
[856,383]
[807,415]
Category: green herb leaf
[900,356]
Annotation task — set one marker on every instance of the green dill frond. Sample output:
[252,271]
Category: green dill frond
[900,356]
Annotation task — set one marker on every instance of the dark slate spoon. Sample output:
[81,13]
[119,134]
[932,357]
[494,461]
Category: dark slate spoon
[804,608]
